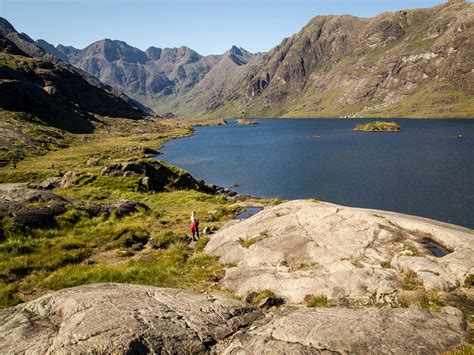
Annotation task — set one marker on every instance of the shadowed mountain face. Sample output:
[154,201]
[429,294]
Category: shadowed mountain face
[413,63]
[37,83]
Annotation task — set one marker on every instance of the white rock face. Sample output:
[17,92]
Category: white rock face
[303,247]
[131,319]
[118,318]
[349,331]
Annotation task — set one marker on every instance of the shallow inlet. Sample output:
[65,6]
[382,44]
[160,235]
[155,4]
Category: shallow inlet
[248,212]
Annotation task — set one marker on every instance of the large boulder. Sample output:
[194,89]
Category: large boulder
[349,331]
[30,207]
[156,175]
[119,318]
[304,247]
[120,208]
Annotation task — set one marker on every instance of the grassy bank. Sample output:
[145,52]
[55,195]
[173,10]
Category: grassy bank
[146,247]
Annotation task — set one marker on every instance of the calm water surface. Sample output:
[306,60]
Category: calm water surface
[424,170]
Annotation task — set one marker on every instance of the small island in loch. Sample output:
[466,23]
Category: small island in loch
[246,121]
[378,126]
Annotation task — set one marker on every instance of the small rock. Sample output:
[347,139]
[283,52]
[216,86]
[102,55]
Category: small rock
[68,179]
[145,182]
[48,184]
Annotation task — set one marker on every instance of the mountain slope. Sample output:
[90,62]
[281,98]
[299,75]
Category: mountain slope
[42,99]
[217,84]
[154,77]
[414,63]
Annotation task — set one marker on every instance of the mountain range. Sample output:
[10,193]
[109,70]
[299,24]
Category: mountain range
[42,98]
[411,63]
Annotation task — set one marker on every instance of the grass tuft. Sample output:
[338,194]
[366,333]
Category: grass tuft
[247,243]
[316,301]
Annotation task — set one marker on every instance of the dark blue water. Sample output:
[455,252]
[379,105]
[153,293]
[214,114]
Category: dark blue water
[424,170]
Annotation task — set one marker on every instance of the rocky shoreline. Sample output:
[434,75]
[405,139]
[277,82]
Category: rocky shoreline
[386,292]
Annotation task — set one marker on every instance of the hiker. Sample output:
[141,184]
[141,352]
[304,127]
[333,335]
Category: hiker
[194,228]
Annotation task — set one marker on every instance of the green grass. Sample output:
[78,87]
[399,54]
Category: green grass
[469,282]
[432,302]
[411,248]
[176,266]
[410,280]
[32,260]
[247,243]
[378,126]
[146,247]
[316,301]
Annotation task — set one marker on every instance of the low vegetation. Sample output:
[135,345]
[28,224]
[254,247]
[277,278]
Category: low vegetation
[149,246]
[378,126]
[316,301]
[264,299]
[247,243]
[410,280]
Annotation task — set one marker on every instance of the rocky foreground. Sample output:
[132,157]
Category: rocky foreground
[118,318]
[349,255]
[375,269]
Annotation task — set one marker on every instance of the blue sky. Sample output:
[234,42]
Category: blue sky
[208,26]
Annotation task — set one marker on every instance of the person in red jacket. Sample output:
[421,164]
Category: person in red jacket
[194,227]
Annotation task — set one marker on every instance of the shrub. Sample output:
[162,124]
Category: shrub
[316,301]
[163,239]
[129,236]
[410,280]
[17,247]
[385,264]
[264,299]
[201,244]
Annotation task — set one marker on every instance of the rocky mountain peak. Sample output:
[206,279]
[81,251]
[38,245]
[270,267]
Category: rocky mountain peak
[153,53]
[112,50]
[239,55]
[6,27]
[49,48]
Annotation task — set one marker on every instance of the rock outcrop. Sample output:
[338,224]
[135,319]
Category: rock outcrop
[30,207]
[349,255]
[349,331]
[120,208]
[118,318]
[156,175]
[34,208]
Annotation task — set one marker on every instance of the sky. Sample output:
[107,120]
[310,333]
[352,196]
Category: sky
[207,26]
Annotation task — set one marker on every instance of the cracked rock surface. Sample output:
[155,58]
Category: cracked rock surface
[303,247]
[119,318]
[349,331]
